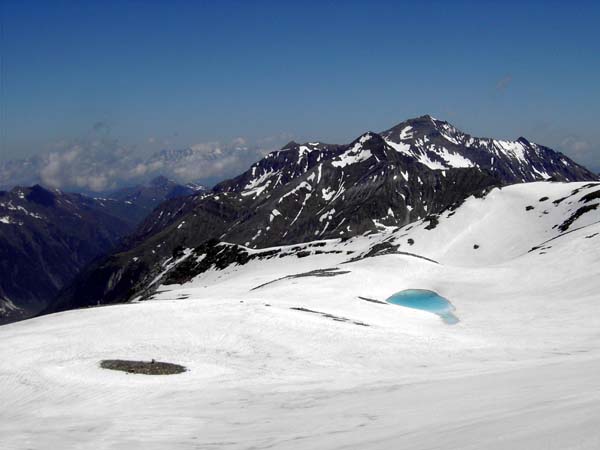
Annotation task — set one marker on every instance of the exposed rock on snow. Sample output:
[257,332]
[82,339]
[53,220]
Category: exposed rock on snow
[142,367]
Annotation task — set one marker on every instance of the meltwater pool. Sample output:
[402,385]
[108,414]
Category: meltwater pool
[427,301]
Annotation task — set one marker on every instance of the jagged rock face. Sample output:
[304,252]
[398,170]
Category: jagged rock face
[46,237]
[365,187]
[292,161]
[315,191]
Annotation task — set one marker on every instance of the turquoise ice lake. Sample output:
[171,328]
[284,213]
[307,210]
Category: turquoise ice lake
[427,301]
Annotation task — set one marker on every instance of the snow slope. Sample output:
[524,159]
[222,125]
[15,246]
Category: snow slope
[519,370]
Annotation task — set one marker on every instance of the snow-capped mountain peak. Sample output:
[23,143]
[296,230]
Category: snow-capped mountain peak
[439,145]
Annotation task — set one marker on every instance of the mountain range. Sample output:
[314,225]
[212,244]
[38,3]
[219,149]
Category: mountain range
[316,191]
[47,236]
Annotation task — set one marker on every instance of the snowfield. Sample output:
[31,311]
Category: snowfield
[317,362]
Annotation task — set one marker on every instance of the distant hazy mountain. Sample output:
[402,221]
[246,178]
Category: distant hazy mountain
[148,196]
[47,236]
[310,191]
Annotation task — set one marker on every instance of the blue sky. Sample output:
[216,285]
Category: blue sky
[178,73]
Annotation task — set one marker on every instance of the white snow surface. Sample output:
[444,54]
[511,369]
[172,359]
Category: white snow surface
[400,147]
[355,154]
[520,370]
[420,154]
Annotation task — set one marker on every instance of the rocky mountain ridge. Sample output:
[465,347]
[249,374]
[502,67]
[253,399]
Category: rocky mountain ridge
[315,191]
[47,236]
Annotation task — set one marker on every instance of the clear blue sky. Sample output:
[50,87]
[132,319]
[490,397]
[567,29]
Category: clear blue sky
[194,71]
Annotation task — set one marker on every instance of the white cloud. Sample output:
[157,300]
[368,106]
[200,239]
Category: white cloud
[239,141]
[207,148]
[100,163]
[139,170]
